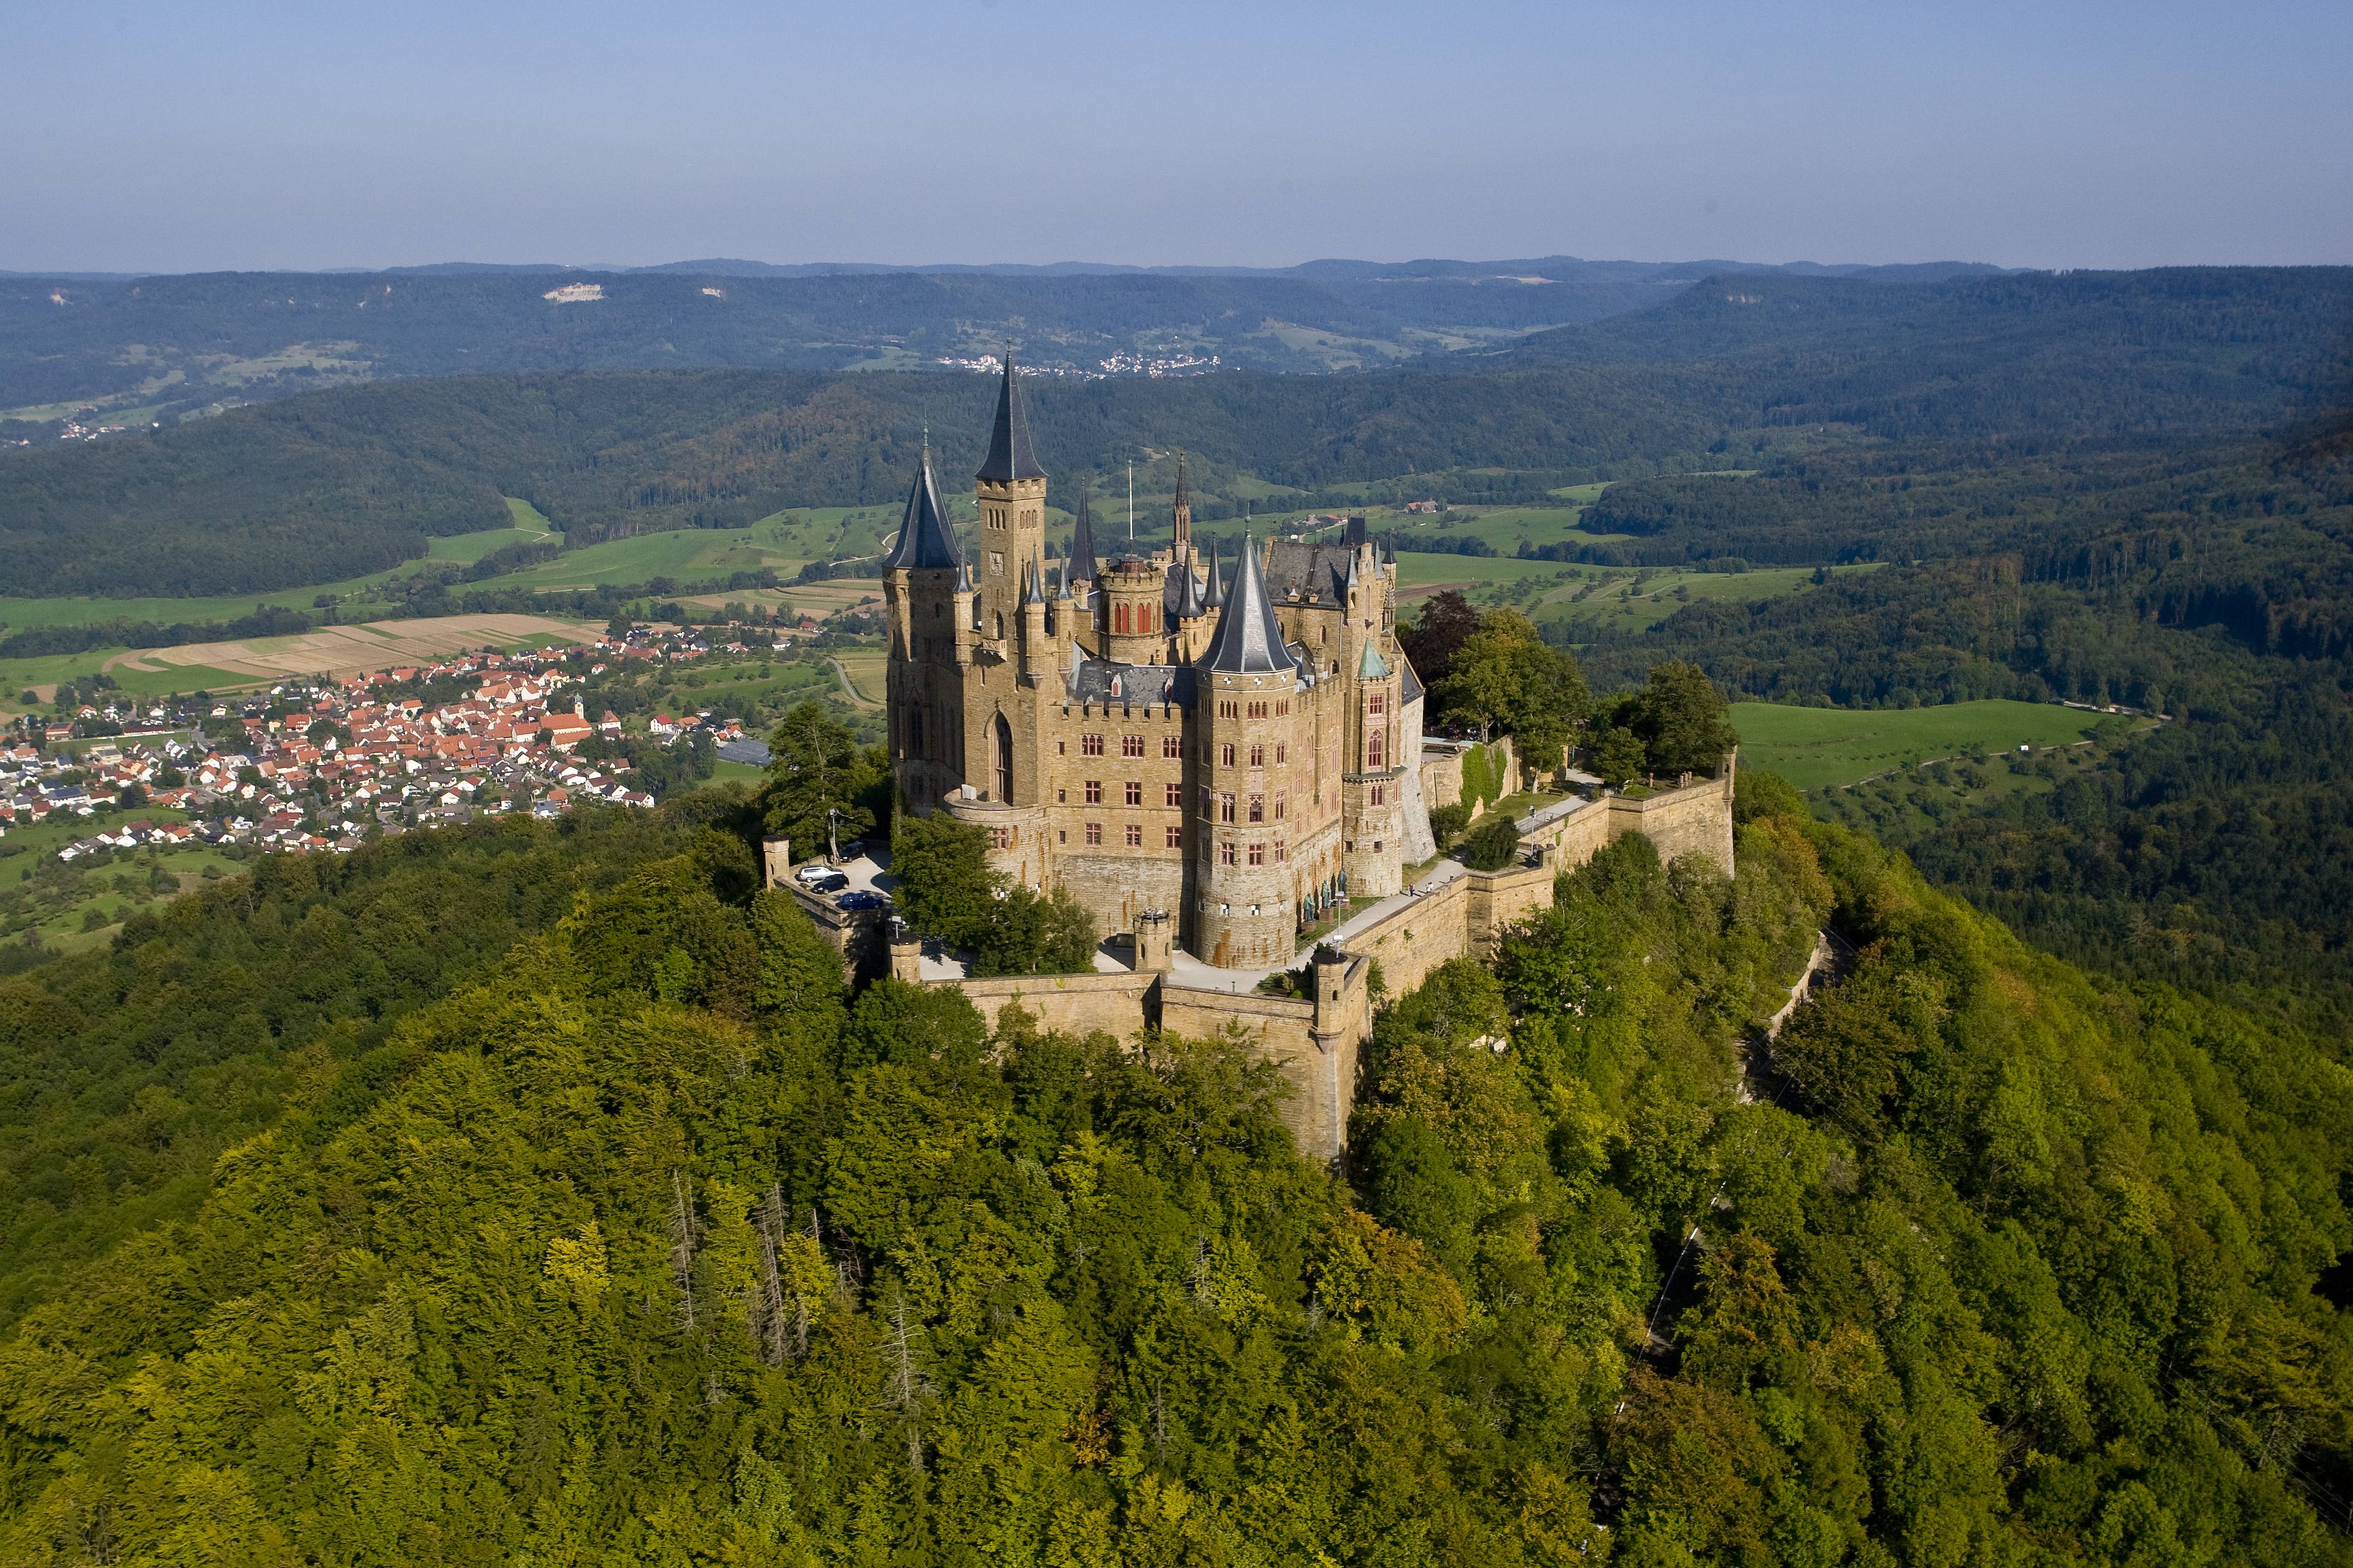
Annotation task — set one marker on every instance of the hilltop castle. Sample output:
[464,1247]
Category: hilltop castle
[1230,756]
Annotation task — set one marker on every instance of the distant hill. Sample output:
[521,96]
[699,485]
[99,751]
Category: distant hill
[354,480]
[105,348]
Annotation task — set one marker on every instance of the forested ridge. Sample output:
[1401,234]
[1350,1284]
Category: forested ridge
[2002,384]
[643,1242]
[2209,586]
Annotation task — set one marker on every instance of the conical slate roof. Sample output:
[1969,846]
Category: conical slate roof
[924,537]
[1082,541]
[1010,456]
[1217,599]
[1249,641]
[1033,579]
[1189,592]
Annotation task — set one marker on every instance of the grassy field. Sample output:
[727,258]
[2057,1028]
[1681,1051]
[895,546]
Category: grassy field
[58,899]
[1817,747]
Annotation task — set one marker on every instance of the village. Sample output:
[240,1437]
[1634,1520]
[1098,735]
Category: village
[327,766]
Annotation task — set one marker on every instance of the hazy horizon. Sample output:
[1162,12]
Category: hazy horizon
[259,137]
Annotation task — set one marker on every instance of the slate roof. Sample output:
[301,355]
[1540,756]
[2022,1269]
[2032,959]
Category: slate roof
[924,537]
[1217,599]
[1410,688]
[1102,681]
[1249,641]
[1082,541]
[1010,456]
[1323,567]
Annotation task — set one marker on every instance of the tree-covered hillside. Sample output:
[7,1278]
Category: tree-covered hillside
[1973,386]
[646,1244]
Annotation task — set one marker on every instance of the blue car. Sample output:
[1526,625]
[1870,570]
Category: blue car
[862,899]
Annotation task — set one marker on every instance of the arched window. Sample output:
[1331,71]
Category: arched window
[1004,748]
[1376,750]
[1119,618]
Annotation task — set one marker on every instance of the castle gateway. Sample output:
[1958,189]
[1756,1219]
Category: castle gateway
[1229,741]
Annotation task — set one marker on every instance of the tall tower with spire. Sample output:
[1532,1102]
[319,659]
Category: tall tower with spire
[1011,490]
[929,646]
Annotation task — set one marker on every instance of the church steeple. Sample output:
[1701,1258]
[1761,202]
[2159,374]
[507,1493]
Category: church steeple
[1181,514]
[1010,456]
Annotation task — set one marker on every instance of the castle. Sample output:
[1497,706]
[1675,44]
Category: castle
[1236,755]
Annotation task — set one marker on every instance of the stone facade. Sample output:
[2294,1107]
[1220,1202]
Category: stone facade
[1144,733]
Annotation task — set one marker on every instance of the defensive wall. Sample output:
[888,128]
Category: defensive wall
[1315,1039]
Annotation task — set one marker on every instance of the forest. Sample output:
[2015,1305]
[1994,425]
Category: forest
[1987,392]
[536,1193]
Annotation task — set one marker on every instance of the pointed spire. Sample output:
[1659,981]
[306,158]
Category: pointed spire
[1249,641]
[1184,490]
[964,579]
[1372,667]
[1010,456]
[1063,582]
[1189,606]
[1082,540]
[1217,599]
[1031,577]
[924,537]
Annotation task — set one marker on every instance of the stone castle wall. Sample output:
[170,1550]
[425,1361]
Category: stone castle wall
[1316,1041]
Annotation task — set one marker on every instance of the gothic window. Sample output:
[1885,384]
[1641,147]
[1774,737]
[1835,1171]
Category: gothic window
[1225,853]
[1257,756]
[1144,617]
[1135,791]
[1177,795]
[1119,618]
[1377,750]
[1229,710]
[1281,754]
[1094,792]
[1282,799]
[1258,710]
[1225,809]
[1380,794]
[1003,746]
[1171,747]
[1091,745]
[1225,753]
[1131,745]
[1095,833]
[1135,835]
[1258,808]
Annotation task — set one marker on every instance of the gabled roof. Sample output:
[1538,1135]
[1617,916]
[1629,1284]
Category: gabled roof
[1010,456]
[924,537]
[1082,541]
[1249,641]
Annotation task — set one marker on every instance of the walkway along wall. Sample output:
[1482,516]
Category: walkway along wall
[1315,1040]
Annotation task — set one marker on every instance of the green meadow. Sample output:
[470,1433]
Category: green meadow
[1815,748]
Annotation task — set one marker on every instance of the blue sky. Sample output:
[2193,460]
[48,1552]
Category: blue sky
[181,137]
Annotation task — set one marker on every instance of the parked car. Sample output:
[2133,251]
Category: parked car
[830,882]
[863,899]
[813,873]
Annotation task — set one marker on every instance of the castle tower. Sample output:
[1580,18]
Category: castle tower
[1011,490]
[1245,909]
[928,646]
[1372,787]
[1133,620]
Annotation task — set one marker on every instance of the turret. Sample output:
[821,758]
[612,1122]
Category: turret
[1011,490]
[1082,568]
[1037,647]
[924,584]
[1132,615]
[1244,911]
